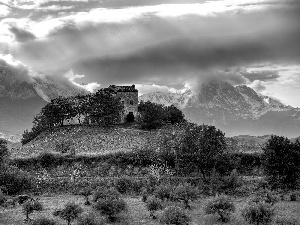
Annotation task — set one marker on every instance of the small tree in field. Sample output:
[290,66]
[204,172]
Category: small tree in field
[153,204]
[281,162]
[110,207]
[43,221]
[163,192]
[30,206]
[221,205]
[174,215]
[258,213]
[86,192]
[153,115]
[70,212]
[185,192]
[201,148]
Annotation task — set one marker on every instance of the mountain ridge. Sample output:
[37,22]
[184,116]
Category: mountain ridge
[235,110]
[21,100]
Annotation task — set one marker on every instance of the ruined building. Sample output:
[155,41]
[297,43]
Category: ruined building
[129,98]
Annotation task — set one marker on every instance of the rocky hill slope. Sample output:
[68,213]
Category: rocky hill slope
[90,140]
[234,110]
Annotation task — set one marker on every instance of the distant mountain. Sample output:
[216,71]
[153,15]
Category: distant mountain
[234,110]
[21,100]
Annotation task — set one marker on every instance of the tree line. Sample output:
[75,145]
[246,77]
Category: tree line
[103,108]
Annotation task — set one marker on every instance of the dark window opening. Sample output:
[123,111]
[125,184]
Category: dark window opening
[131,102]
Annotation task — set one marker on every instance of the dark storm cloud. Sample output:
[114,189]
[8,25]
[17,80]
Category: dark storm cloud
[153,49]
[22,35]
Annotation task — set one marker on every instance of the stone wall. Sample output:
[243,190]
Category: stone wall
[130,101]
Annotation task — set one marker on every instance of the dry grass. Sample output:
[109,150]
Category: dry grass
[137,213]
[89,140]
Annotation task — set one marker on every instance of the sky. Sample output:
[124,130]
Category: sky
[170,45]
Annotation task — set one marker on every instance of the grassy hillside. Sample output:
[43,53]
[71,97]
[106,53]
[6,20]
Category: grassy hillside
[90,140]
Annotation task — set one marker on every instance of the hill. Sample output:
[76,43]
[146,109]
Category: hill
[90,140]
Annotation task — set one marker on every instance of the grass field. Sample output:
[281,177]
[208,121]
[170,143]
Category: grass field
[137,213]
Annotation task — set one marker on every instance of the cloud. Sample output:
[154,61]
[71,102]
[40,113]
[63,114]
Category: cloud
[263,75]
[91,87]
[166,45]
[258,86]
[15,68]
[22,35]
[4,10]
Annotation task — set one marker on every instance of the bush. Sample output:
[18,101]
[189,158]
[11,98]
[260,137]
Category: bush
[153,204]
[86,192]
[89,219]
[15,181]
[266,196]
[3,198]
[163,192]
[110,207]
[281,162]
[43,221]
[4,152]
[47,159]
[185,192]
[123,185]
[174,215]
[70,212]
[30,206]
[65,146]
[144,194]
[110,193]
[221,205]
[258,213]
[293,197]
[286,221]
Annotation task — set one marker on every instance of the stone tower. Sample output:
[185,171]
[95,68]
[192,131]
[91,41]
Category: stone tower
[129,98]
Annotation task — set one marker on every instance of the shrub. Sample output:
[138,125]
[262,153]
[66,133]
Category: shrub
[110,193]
[144,194]
[286,221]
[64,146]
[266,196]
[151,183]
[163,192]
[258,213]
[3,198]
[293,196]
[110,207]
[86,192]
[123,185]
[89,219]
[4,152]
[15,181]
[185,192]
[30,206]
[221,205]
[43,221]
[153,204]
[47,159]
[281,162]
[70,212]
[231,183]
[174,215]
